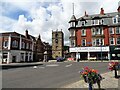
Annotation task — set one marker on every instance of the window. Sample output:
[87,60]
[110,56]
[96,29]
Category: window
[30,46]
[83,31]
[93,31]
[72,33]
[56,35]
[72,43]
[115,19]
[93,42]
[56,40]
[83,42]
[97,41]
[5,44]
[22,56]
[93,22]
[118,41]
[111,30]
[117,30]
[23,45]
[15,43]
[72,24]
[83,23]
[27,47]
[97,31]
[112,42]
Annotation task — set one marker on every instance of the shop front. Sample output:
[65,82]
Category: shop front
[90,53]
[115,52]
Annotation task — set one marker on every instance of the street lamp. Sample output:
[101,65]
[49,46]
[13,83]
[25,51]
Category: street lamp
[101,41]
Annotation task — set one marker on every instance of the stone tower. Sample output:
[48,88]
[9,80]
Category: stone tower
[57,43]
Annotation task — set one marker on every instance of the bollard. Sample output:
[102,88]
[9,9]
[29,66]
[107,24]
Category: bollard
[90,86]
[115,72]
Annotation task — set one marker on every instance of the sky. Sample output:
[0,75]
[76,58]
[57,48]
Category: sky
[44,16]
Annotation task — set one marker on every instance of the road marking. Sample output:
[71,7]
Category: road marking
[68,65]
[41,67]
[52,65]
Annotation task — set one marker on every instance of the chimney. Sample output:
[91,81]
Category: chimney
[118,9]
[86,14]
[102,11]
[26,33]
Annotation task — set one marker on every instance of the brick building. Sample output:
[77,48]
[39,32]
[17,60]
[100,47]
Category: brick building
[15,47]
[95,36]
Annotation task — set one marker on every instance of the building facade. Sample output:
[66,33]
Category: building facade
[15,47]
[57,44]
[94,36]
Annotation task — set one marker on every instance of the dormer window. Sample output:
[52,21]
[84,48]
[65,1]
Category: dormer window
[115,19]
[95,22]
[83,23]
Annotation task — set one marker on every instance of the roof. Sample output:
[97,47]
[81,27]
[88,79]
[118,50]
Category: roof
[73,18]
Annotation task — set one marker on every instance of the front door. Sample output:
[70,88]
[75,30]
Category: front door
[14,59]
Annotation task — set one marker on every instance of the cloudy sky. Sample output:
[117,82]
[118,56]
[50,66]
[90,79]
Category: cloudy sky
[43,16]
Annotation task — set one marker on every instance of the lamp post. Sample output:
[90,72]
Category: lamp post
[101,42]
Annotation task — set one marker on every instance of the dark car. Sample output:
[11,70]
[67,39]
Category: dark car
[60,59]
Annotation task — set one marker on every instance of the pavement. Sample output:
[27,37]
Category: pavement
[109,82]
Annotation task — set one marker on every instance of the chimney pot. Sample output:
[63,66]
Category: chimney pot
[102,11]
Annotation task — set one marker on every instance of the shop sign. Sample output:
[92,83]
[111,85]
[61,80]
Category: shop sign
[89,49]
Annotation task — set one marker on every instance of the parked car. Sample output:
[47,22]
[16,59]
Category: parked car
[60,59]
[71,59]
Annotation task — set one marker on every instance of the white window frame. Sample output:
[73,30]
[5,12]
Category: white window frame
[83,30]
[112,29]
[5,44]
[113,41]
[118,30]
[117,40]
[15,43]
[93,42]
[72,24]
[23,44]
[116,19]
[82,23]
[93,29]
[27,46]
[84,42]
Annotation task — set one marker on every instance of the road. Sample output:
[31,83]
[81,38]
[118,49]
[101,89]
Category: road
[48,75]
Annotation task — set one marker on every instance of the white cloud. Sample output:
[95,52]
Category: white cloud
[51,17]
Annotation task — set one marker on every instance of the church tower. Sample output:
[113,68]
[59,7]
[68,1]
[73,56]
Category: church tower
[57,44]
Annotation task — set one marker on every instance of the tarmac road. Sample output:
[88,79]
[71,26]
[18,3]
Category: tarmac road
[48,75]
